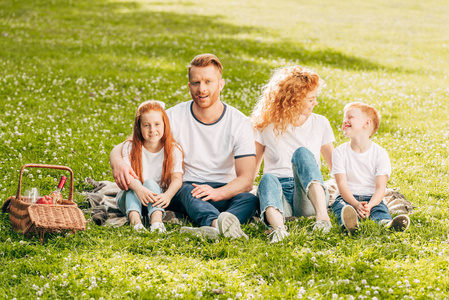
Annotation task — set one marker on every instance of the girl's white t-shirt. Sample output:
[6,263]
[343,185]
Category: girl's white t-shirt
[361,169]
[152,162]
[313,134]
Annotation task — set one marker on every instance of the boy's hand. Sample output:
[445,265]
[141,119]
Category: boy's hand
[361,210]
[145,195]
[367,209]
[162,200]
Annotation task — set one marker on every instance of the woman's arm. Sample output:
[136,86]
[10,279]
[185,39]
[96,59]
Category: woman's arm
[326,151]
[259,156]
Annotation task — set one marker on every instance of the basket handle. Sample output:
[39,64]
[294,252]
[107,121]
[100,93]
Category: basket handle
[46,167]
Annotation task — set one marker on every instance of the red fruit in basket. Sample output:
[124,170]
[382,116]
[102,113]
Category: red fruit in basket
[45,200]
[42,200]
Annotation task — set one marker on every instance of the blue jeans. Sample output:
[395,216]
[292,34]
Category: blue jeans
[243,205]
[128,200]
[272,190]
[378,212]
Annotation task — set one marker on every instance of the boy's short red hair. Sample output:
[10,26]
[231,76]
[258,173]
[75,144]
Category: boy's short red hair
[205,60]
[369,111]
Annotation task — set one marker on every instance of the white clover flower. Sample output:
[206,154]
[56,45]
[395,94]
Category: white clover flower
[334,296]
[199,294]
[238,295]
[363,281]
[358,289]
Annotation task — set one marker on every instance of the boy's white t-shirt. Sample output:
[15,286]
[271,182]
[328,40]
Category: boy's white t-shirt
[210,150]
[152,162]
[361,169]
[313,134]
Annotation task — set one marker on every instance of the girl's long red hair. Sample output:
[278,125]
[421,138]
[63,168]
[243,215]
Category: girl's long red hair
[167,140]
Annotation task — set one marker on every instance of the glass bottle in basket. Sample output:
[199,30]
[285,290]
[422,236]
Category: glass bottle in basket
[56,194]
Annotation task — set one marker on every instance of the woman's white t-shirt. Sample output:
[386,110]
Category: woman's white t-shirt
[152,162]
[313,134]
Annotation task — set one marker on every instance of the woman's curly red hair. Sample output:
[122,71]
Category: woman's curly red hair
[283,98]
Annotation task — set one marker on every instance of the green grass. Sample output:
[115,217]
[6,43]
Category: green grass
[73,73]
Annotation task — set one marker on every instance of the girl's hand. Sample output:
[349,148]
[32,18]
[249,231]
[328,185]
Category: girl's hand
[361,210]
[162,200]
[145,195]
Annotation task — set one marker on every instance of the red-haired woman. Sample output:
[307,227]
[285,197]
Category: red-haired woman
[157,160]
[291,138]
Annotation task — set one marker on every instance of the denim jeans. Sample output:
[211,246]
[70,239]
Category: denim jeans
[378,212]
[243,205]
[272,190]
[128,200]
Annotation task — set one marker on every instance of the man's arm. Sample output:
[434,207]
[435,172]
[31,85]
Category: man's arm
[123,174]
[244,169]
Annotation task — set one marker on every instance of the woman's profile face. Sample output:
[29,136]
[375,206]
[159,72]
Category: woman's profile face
[310,102]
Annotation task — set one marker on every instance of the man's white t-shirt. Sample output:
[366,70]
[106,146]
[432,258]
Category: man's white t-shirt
[210,150]
[361,169]
[152,162]
[313,134]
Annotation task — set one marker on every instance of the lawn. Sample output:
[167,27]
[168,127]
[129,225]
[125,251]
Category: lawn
[73,73]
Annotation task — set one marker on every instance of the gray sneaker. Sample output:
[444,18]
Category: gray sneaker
[229,226]
[399,223]
[349,218]
[158,226]
[322,225]
[204,231]
[139,228]
[278,234]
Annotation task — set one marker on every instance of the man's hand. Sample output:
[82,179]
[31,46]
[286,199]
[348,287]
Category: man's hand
[206,192]
[162,200]
[123,174]
[145,195]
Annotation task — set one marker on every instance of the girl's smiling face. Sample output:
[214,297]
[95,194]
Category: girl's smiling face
[152,128]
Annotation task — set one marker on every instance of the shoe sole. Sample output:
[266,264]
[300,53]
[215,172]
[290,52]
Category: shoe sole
[349,218]
[205,232]
[229,226]
[397,224]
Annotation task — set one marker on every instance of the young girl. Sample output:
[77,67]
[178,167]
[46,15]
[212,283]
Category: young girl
[157,160]
[291,138]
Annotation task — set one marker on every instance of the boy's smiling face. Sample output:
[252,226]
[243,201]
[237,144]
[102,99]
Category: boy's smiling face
[355,122]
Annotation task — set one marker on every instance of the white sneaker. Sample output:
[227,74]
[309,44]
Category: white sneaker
[399,223]
[204,231]
[159,226]
[139,228]
[349,218]
[278,234]
[229,226]
[322,225]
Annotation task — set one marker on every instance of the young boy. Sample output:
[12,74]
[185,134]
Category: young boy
[361,169]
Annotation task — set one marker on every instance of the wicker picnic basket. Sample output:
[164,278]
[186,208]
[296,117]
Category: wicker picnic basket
[45,218]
